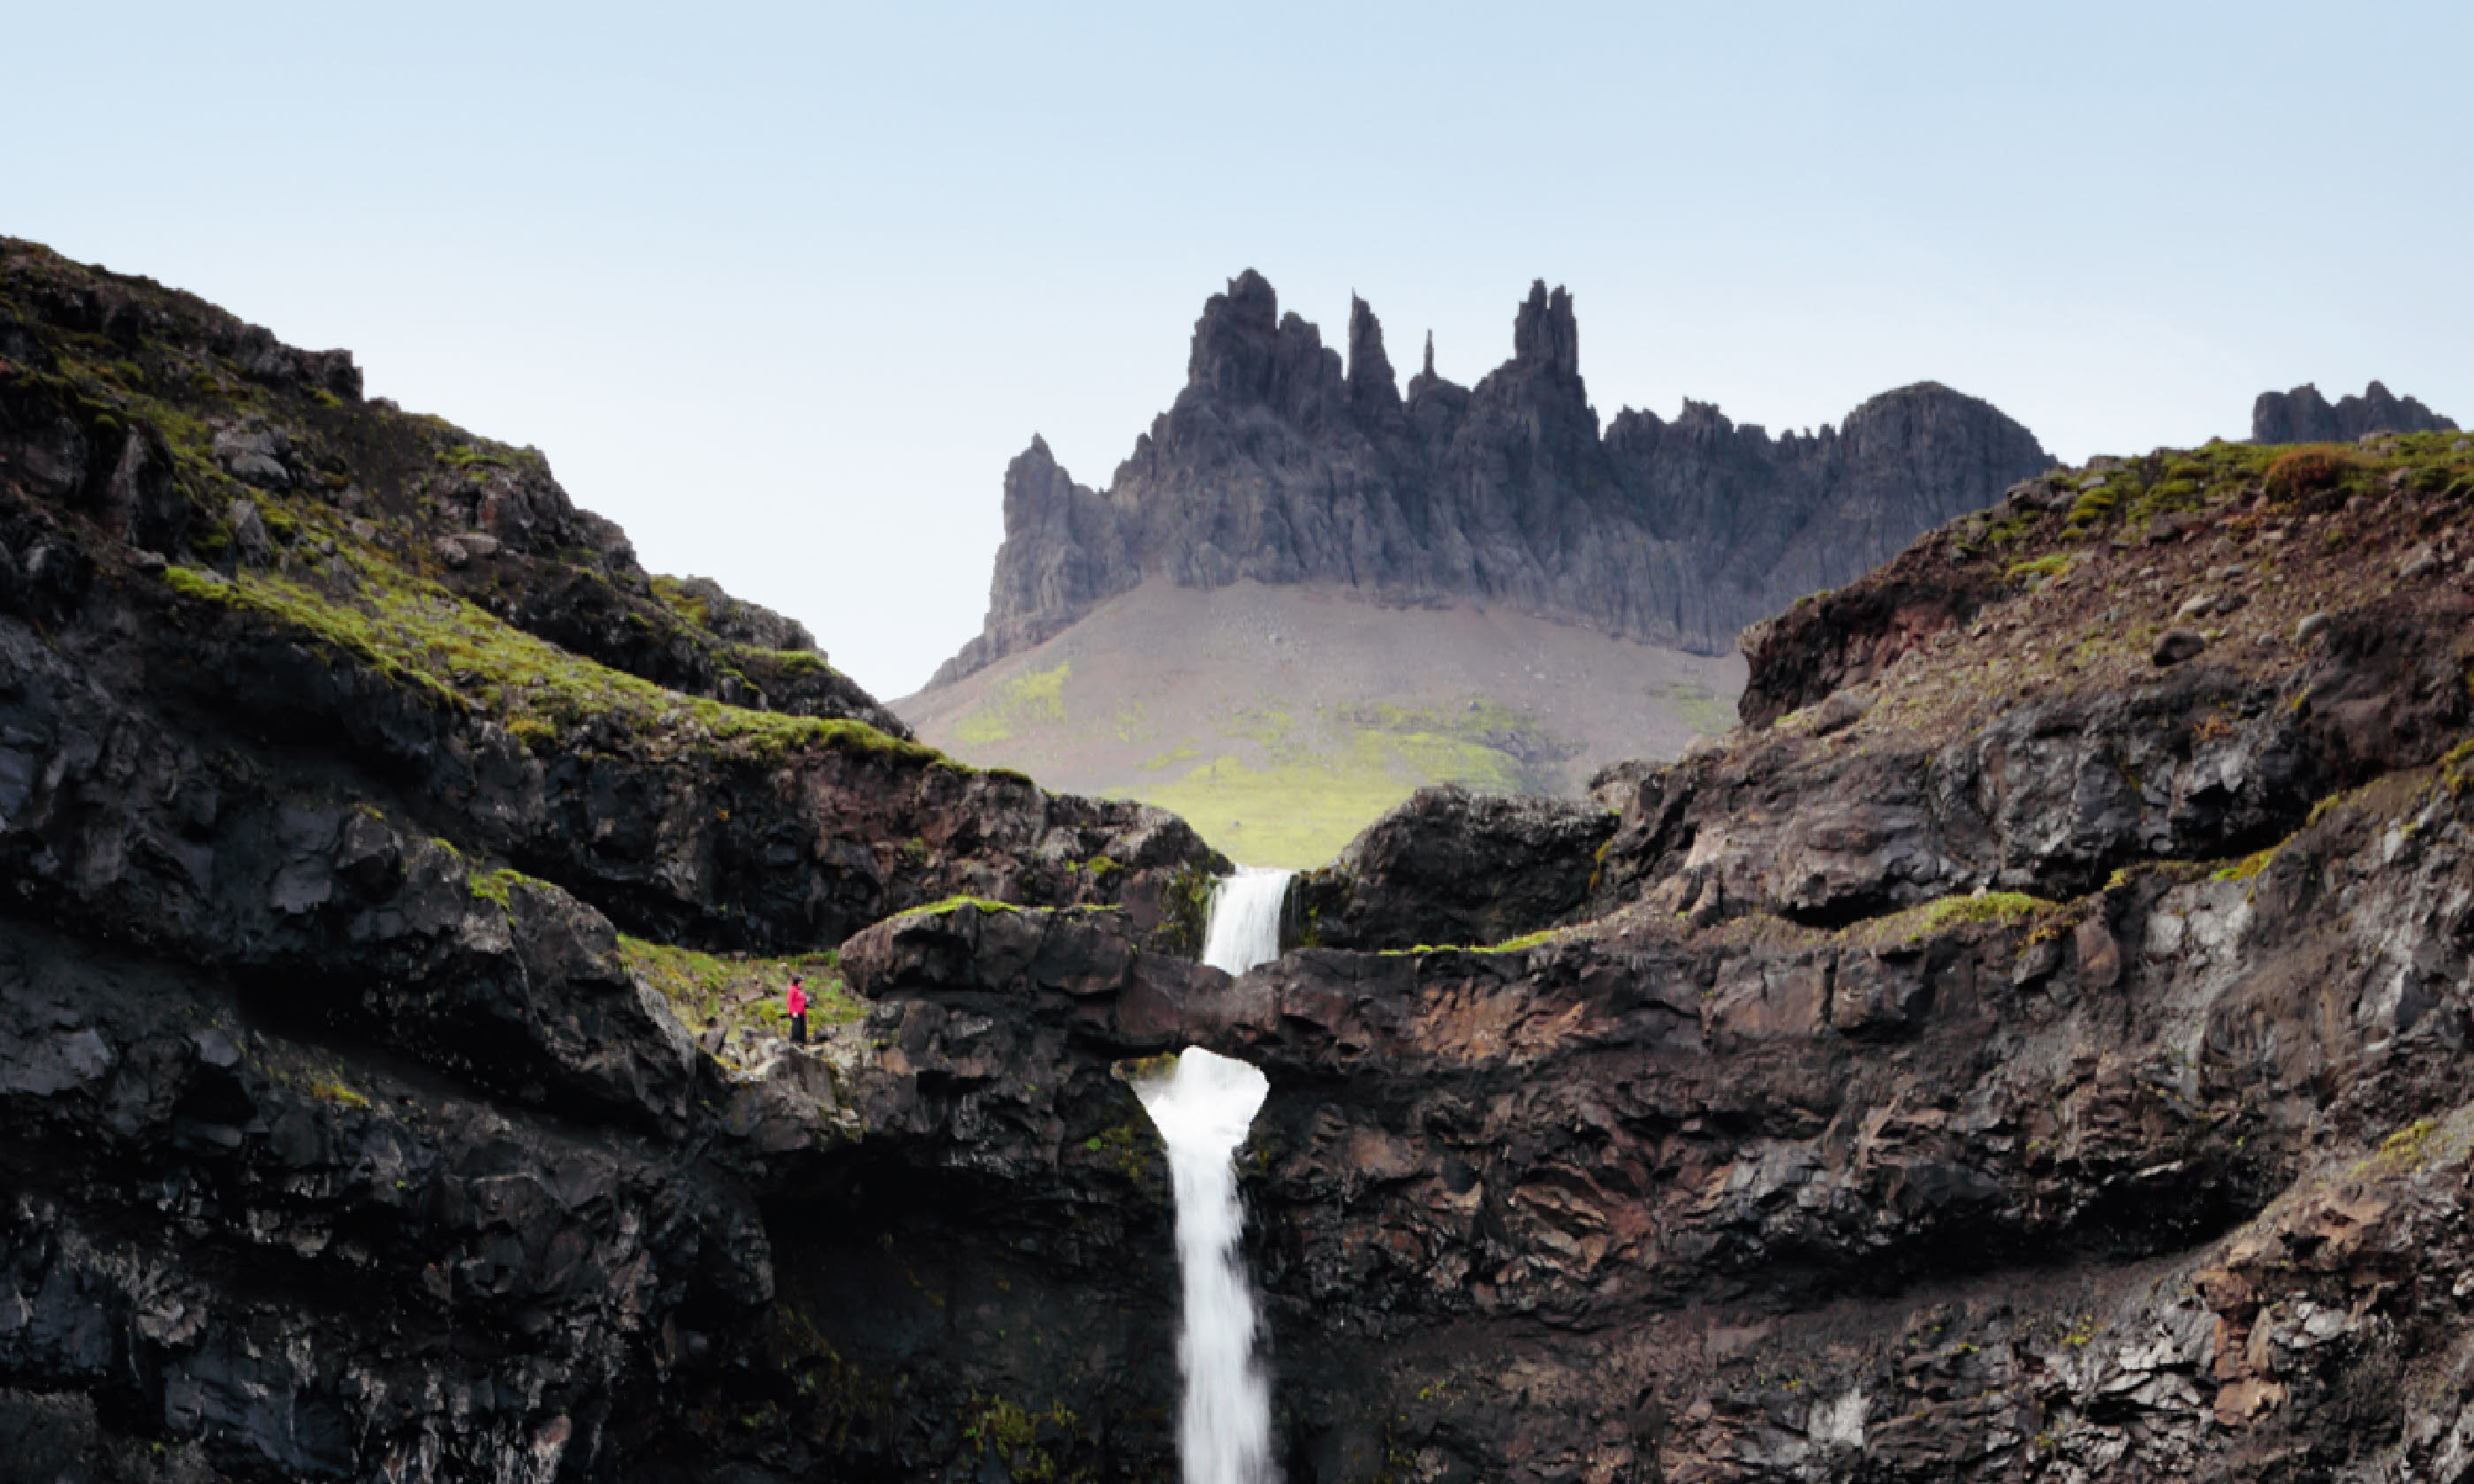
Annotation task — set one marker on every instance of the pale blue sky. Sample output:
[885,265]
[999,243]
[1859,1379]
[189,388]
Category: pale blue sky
[782,288]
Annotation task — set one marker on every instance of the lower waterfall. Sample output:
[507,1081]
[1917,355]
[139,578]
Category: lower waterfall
[1202,1111]
[1245,926]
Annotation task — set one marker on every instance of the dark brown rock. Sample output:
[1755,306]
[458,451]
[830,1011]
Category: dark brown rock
[1452,867]
[2176,645]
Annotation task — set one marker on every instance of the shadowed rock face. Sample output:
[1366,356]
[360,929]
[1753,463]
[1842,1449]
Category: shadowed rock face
[1277,465]
[366,1108]
[2302,416]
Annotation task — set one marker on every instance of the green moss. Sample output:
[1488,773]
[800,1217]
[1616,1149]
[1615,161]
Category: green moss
[741,989]
[1131,1148]
[498,886]
[2249,867]
[2003,909]
[953,904]
[427,639]
[1519,945]
[1146,1068]
[2040,568]
[1186,910]
[2407,1150]
[1012,1432]
[326,1089]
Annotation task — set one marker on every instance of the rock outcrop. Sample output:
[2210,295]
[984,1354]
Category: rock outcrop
[1279,464]
[1454,866]
[2302,416]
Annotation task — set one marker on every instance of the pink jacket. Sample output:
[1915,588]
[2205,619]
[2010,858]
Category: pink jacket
[797,1000]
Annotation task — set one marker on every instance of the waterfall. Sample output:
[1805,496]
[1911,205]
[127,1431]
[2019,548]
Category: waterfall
[1202,1111]
[1245,926]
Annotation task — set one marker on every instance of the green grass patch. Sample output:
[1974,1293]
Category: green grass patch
[741,989]
[1183,751]
[2095,506]
[953,904]
[1032,699]
[1697,706]
[2041,568]
[1914,924]
[1299,810]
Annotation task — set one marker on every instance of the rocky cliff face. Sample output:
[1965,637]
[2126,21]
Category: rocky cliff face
[2030,1051]
[1280,464]
[2302,416]
[2031,1048]
[372,1105]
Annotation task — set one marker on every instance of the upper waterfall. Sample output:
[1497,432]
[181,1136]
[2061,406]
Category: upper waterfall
[1245,926]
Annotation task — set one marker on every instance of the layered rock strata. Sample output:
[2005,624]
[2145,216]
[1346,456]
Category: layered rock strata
[1280,462]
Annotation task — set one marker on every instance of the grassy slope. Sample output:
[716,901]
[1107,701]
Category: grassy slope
[1280,720]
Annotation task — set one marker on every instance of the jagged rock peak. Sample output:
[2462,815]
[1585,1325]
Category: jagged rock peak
[2303,416]
[1370,379]
[1233,339]
[1544,335]
[1279,464]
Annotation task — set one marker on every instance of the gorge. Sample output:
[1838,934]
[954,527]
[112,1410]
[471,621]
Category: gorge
[2027,1044]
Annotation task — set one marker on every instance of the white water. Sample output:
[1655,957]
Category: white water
[1202,1111]
[1244,929]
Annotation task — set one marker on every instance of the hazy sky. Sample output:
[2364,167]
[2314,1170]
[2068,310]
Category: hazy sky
[782,288]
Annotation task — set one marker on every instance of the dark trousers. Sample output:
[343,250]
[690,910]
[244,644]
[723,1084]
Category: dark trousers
[799,1029]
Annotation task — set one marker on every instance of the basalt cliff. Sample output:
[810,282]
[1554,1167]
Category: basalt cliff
[1280,463]
[2029,1047]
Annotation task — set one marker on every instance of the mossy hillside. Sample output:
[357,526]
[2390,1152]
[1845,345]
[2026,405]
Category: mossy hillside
[401,479]
[2082,588]
[422,636]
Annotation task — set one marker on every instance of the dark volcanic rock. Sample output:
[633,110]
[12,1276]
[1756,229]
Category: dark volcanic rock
[1276,464]
[1452,867]
[2302,416]
[335,1146]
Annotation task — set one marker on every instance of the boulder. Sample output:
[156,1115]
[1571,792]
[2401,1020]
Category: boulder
[2176,645]
[1454,866]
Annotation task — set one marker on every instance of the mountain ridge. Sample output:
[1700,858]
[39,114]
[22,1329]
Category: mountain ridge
[1281,462]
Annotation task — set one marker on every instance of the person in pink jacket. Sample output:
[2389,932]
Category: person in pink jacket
[796,1002]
